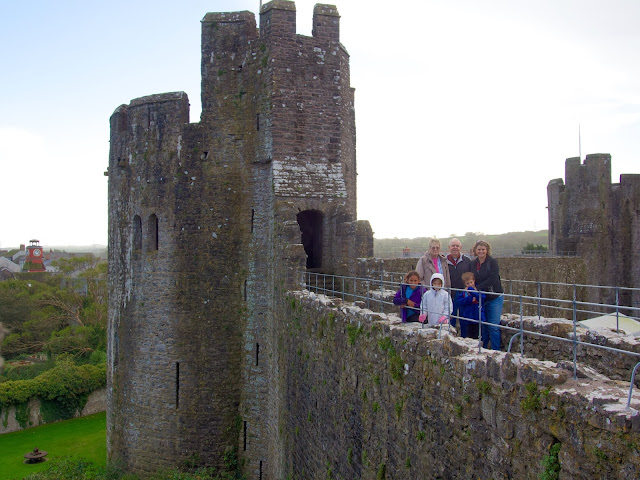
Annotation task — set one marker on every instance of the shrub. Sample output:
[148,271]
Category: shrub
[64,381]
[532,402]
[551,464]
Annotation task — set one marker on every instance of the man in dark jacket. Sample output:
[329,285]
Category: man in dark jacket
[458,264]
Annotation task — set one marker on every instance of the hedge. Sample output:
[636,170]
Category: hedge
[63,381]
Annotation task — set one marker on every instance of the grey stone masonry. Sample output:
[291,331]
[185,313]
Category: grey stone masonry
[370,397]
[209,223]
[600,221]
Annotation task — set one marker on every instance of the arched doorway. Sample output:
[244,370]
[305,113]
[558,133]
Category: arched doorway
[310,222]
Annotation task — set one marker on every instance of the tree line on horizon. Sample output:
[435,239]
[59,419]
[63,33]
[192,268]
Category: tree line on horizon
[510,242]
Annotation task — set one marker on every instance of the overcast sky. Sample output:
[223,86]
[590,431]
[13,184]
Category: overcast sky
[465,110]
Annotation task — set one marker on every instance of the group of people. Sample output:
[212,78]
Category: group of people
[474,285]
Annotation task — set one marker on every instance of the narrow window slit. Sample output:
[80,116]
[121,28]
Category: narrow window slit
[137,233]
[177,385]
[257,353]
[245,290]
[260,477]
[245,435]
[257,122]
[152,240]
[253,215]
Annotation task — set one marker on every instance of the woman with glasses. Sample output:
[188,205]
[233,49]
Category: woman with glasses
[433,262]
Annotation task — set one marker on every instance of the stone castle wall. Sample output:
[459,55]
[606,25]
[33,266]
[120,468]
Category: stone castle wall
[96,402]
[367,395]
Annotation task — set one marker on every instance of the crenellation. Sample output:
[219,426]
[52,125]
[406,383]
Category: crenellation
[278,20]
[326,23]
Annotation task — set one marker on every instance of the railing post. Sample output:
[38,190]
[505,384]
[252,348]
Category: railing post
[521,329]
[324,284]
[479,322]
[333,285]
[617,309]
[368,304]
[539,301]
[575,336]
[449,306]
[343,289]
[633,376]
[381,291]
[510,296]
[355,288]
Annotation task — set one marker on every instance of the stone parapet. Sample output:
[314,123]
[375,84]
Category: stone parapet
[615,365]
[368,396]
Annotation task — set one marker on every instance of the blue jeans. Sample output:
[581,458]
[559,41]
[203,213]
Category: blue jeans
[493,312]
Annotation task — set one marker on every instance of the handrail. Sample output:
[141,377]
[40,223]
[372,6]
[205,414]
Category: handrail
[539,302]
[633,376]
[369,298]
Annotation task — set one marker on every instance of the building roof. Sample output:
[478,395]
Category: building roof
[5,263]
[628,325]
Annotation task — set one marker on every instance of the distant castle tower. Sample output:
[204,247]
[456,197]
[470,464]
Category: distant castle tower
[209,221]
[599,221]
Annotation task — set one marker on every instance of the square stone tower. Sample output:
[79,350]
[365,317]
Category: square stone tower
[209,222]
[599,221]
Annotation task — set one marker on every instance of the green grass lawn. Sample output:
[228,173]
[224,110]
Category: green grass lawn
[81,437]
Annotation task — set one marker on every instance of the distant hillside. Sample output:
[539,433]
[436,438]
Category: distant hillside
[505,243]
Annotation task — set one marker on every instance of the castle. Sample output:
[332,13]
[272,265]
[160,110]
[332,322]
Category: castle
[600,222]
[210,221]
[211,354]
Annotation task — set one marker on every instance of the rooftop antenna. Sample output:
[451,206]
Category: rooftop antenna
[579,144]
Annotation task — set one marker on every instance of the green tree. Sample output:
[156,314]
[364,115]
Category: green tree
[63,315]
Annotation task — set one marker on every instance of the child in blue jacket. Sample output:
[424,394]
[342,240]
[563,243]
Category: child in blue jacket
[408,297]
[470,300]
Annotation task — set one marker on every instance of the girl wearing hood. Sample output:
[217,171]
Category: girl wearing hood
[436,303]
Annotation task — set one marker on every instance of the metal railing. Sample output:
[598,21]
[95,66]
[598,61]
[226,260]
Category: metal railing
[374,294]
[617,298]
[541,298]
[397,252]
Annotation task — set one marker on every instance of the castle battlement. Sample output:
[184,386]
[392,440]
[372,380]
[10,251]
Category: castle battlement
[598,220]
[595,169]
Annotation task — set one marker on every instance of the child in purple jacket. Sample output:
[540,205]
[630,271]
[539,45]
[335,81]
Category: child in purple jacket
[409,296]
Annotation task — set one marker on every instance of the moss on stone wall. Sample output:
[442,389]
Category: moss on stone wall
[444,410]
